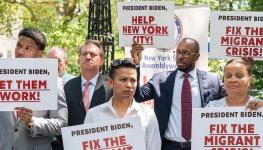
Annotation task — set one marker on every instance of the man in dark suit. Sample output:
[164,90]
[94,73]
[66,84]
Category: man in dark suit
[166,88]
[91,59]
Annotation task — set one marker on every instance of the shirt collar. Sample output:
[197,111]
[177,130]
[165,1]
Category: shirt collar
[191,73]
[134,107]
[93,80]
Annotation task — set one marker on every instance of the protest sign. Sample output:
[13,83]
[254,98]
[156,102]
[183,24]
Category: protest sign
[123,134]
[228,128]
[236,34]
[28,82]
[149,23]
[189,22]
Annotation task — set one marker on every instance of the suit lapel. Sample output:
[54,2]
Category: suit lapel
[170,87]
[97,95]
[201,75]
[78,91]
[14,119]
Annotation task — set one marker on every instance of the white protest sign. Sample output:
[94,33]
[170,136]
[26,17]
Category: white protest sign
[189,22]
[228,128]
[28,82]
[150,23]
[124,134]
[236,34]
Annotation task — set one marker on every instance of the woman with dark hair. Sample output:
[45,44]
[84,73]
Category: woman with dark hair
[237,81]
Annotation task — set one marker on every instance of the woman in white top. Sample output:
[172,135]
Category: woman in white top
[237,82]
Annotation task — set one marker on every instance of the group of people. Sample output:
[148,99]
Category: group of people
[175,93]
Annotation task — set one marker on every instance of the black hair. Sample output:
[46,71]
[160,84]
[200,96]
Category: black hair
[122,64]
[35,35]
[247,61]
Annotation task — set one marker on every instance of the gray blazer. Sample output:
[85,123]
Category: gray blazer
[161,86]
[15,136]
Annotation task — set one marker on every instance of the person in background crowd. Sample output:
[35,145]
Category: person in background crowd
[176,92]
[61,55]
[123,80]
[26,129]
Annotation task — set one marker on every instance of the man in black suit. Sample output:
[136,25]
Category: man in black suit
[166,88]
[91,59]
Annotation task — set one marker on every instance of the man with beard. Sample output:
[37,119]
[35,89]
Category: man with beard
[176,92]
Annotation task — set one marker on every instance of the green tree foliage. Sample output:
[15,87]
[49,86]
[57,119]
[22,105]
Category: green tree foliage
[7,17]
[256,5]
[63,22]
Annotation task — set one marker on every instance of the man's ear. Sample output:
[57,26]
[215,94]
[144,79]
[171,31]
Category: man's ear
[110,82]
[40,53]
[102,62]
[197,56]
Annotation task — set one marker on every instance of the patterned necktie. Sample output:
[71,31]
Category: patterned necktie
[86,96]
[186,106]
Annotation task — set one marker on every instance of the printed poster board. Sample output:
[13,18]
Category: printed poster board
[236,34]
[28,82]
[149,23]
[228,128]
[112,134]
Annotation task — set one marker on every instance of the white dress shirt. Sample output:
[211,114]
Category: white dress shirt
[148,119]
[174,129]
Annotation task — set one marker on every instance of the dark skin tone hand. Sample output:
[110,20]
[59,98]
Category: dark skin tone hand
[254,105]
[136,53]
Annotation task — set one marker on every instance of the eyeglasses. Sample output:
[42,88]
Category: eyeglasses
[117,62]
[184,53]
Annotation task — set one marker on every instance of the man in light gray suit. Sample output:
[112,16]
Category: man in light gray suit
[27,129]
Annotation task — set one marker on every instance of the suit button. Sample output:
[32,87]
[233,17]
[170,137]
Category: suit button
[16,129]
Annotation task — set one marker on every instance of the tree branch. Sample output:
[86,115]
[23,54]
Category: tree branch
[52,5]
[23,3]
[67,9]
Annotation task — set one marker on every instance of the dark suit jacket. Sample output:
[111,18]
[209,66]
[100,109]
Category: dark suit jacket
[161,86]
[76,112]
